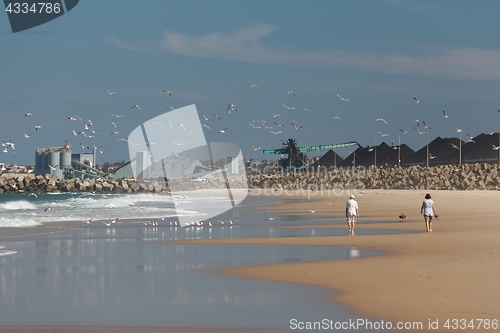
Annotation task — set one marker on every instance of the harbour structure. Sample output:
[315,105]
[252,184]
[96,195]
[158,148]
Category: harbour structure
[296,157]
[63,163]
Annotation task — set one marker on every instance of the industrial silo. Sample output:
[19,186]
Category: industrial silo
[65,160]
[45,162]
[38,162]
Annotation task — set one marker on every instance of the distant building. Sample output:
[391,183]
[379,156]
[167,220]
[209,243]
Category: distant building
[62,163]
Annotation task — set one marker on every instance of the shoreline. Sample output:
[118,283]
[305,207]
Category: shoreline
[449,273]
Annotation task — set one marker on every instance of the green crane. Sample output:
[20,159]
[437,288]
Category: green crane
[296,157]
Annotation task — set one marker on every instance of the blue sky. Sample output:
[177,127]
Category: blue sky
[378,54]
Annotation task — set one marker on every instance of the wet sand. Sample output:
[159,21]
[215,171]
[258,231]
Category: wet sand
[452,272]
[449,273]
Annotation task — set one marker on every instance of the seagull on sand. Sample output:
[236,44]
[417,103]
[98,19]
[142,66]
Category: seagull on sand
[223,131]
[445,115]
[274,115]
[136,106]
[342,98]
[254,86]
[111,92]
[381,119]
[416,100]
[402,216]
[168,92]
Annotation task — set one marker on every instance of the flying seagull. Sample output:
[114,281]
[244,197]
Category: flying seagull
[111,92]
[53,167]
[337,117]
[168,92]
[495,147]
[274,115]
[402,130]
[416,100]
[275,132]
[382,135]
[254,86]
[255,149]
[136,106]
[27,114]
[74,118]
[223,131]
[445,115]
[381,119]
[454,146]
[288,107]
[418,131]
[291,93]
[342,98]
[118,115]
[37,127]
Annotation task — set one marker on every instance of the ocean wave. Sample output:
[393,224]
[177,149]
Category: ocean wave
[17,205]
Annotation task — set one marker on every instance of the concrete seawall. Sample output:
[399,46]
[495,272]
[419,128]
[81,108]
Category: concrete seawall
[444,177]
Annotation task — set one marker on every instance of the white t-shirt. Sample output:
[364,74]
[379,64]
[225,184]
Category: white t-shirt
[351,206]
[428,211]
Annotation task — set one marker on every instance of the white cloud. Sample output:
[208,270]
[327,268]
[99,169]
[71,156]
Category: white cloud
[246,44]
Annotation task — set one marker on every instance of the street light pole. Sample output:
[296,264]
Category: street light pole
[399,150]
[460,150]
[375,153]
[427,159]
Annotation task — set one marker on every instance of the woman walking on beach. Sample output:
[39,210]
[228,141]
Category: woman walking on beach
[429,211]
[351,213]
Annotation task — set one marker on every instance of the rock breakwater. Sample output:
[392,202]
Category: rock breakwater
[444,177]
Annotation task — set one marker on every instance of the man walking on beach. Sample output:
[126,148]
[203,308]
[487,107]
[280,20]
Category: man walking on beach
[351,213]
[429,211]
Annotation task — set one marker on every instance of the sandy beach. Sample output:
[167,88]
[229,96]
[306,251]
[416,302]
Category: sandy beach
[450,273]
